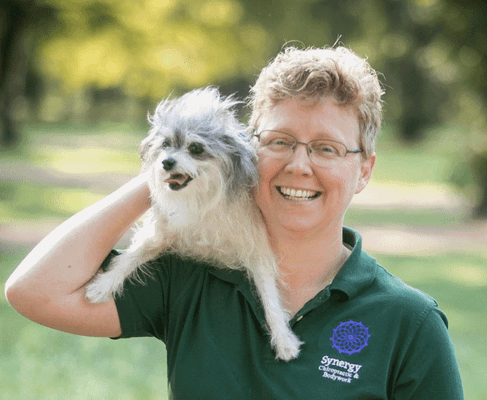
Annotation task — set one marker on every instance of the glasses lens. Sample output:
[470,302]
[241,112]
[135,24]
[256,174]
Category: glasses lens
[327,149]
[281,145]
[276,142]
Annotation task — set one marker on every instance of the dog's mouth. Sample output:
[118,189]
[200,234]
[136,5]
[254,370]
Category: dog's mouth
[178,181]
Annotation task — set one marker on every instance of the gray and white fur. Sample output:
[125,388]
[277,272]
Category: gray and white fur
[201,168]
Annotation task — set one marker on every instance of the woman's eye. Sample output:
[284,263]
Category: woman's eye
[195,148]
[280,142]
[325,149]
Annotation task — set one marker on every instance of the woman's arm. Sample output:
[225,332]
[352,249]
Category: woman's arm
[48,287]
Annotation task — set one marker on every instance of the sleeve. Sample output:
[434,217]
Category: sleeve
[142,304]
[147,300]
[430,370]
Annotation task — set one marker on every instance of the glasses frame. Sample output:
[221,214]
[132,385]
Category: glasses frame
[308,149]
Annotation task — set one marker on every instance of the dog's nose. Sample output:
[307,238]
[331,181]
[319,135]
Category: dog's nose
[168,163]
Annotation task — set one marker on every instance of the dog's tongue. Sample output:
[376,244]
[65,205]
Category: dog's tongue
[177,179]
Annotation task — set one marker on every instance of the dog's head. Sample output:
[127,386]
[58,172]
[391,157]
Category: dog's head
[197,144]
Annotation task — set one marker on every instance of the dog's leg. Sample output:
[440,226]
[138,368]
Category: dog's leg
[283,339]
[144,247]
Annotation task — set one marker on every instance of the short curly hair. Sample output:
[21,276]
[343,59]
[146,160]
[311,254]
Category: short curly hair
[315,73]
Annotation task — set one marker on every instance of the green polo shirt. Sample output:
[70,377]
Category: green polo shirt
[368,335]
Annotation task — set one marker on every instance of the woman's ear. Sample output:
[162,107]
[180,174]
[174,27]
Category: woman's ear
[366,172]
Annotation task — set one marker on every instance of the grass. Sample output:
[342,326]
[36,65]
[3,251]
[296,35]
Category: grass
[388,217]
[39,363]
[28,201]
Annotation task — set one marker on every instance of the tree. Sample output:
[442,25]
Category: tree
[146,48]
[24,24]
[149,48]
[450,54]
[12,64]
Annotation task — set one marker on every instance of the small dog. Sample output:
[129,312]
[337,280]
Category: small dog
[201,168]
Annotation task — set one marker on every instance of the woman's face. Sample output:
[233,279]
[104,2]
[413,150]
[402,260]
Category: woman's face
[326,191]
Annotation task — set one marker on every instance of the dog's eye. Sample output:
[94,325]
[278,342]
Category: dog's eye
[166,144]
[195,148]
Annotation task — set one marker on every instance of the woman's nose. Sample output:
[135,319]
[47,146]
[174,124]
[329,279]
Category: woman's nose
[299,162]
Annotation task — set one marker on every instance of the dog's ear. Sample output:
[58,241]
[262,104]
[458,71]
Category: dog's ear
[155,120]
[144,148]
[243,159]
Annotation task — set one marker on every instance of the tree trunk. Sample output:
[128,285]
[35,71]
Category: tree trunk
[13,65]
[480,170]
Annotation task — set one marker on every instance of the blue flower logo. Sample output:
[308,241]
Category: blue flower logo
[350,337]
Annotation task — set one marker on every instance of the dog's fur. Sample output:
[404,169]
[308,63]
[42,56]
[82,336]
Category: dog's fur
[202,167]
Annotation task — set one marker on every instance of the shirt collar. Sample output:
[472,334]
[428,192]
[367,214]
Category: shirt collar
[359,270]
[228,275]
[243,285]
[357,273]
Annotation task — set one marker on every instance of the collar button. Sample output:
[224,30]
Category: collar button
[335,297]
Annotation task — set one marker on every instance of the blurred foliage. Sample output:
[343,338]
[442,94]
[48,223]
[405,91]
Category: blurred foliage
[114,59]
[149,47]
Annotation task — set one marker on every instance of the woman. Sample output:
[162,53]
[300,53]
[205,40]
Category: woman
[367,335]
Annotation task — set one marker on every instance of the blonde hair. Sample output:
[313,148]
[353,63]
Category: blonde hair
[312,74]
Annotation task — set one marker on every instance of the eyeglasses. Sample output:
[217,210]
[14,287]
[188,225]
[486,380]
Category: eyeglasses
[281,145]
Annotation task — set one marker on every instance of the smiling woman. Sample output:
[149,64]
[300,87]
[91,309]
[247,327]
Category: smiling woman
[332,180]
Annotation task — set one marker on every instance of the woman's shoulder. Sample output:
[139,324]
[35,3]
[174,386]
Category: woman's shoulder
[398,291]
[171,269]
[363,276]
[406,307]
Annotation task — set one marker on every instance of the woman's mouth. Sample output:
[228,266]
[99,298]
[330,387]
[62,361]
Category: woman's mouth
[298,194]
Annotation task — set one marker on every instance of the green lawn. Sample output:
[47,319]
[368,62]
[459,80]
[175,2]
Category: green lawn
[39,363]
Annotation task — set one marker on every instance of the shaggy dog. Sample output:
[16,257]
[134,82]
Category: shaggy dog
[201,168]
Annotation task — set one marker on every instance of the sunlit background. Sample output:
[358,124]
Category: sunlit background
[79,77]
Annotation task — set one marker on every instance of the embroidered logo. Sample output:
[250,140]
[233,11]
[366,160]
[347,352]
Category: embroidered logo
[350,337]
[339,370]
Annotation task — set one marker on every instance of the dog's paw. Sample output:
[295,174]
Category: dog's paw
[287,346]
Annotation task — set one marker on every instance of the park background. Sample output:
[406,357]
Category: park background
[78,78]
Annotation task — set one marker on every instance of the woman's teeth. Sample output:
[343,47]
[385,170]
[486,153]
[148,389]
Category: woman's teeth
[298,194]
